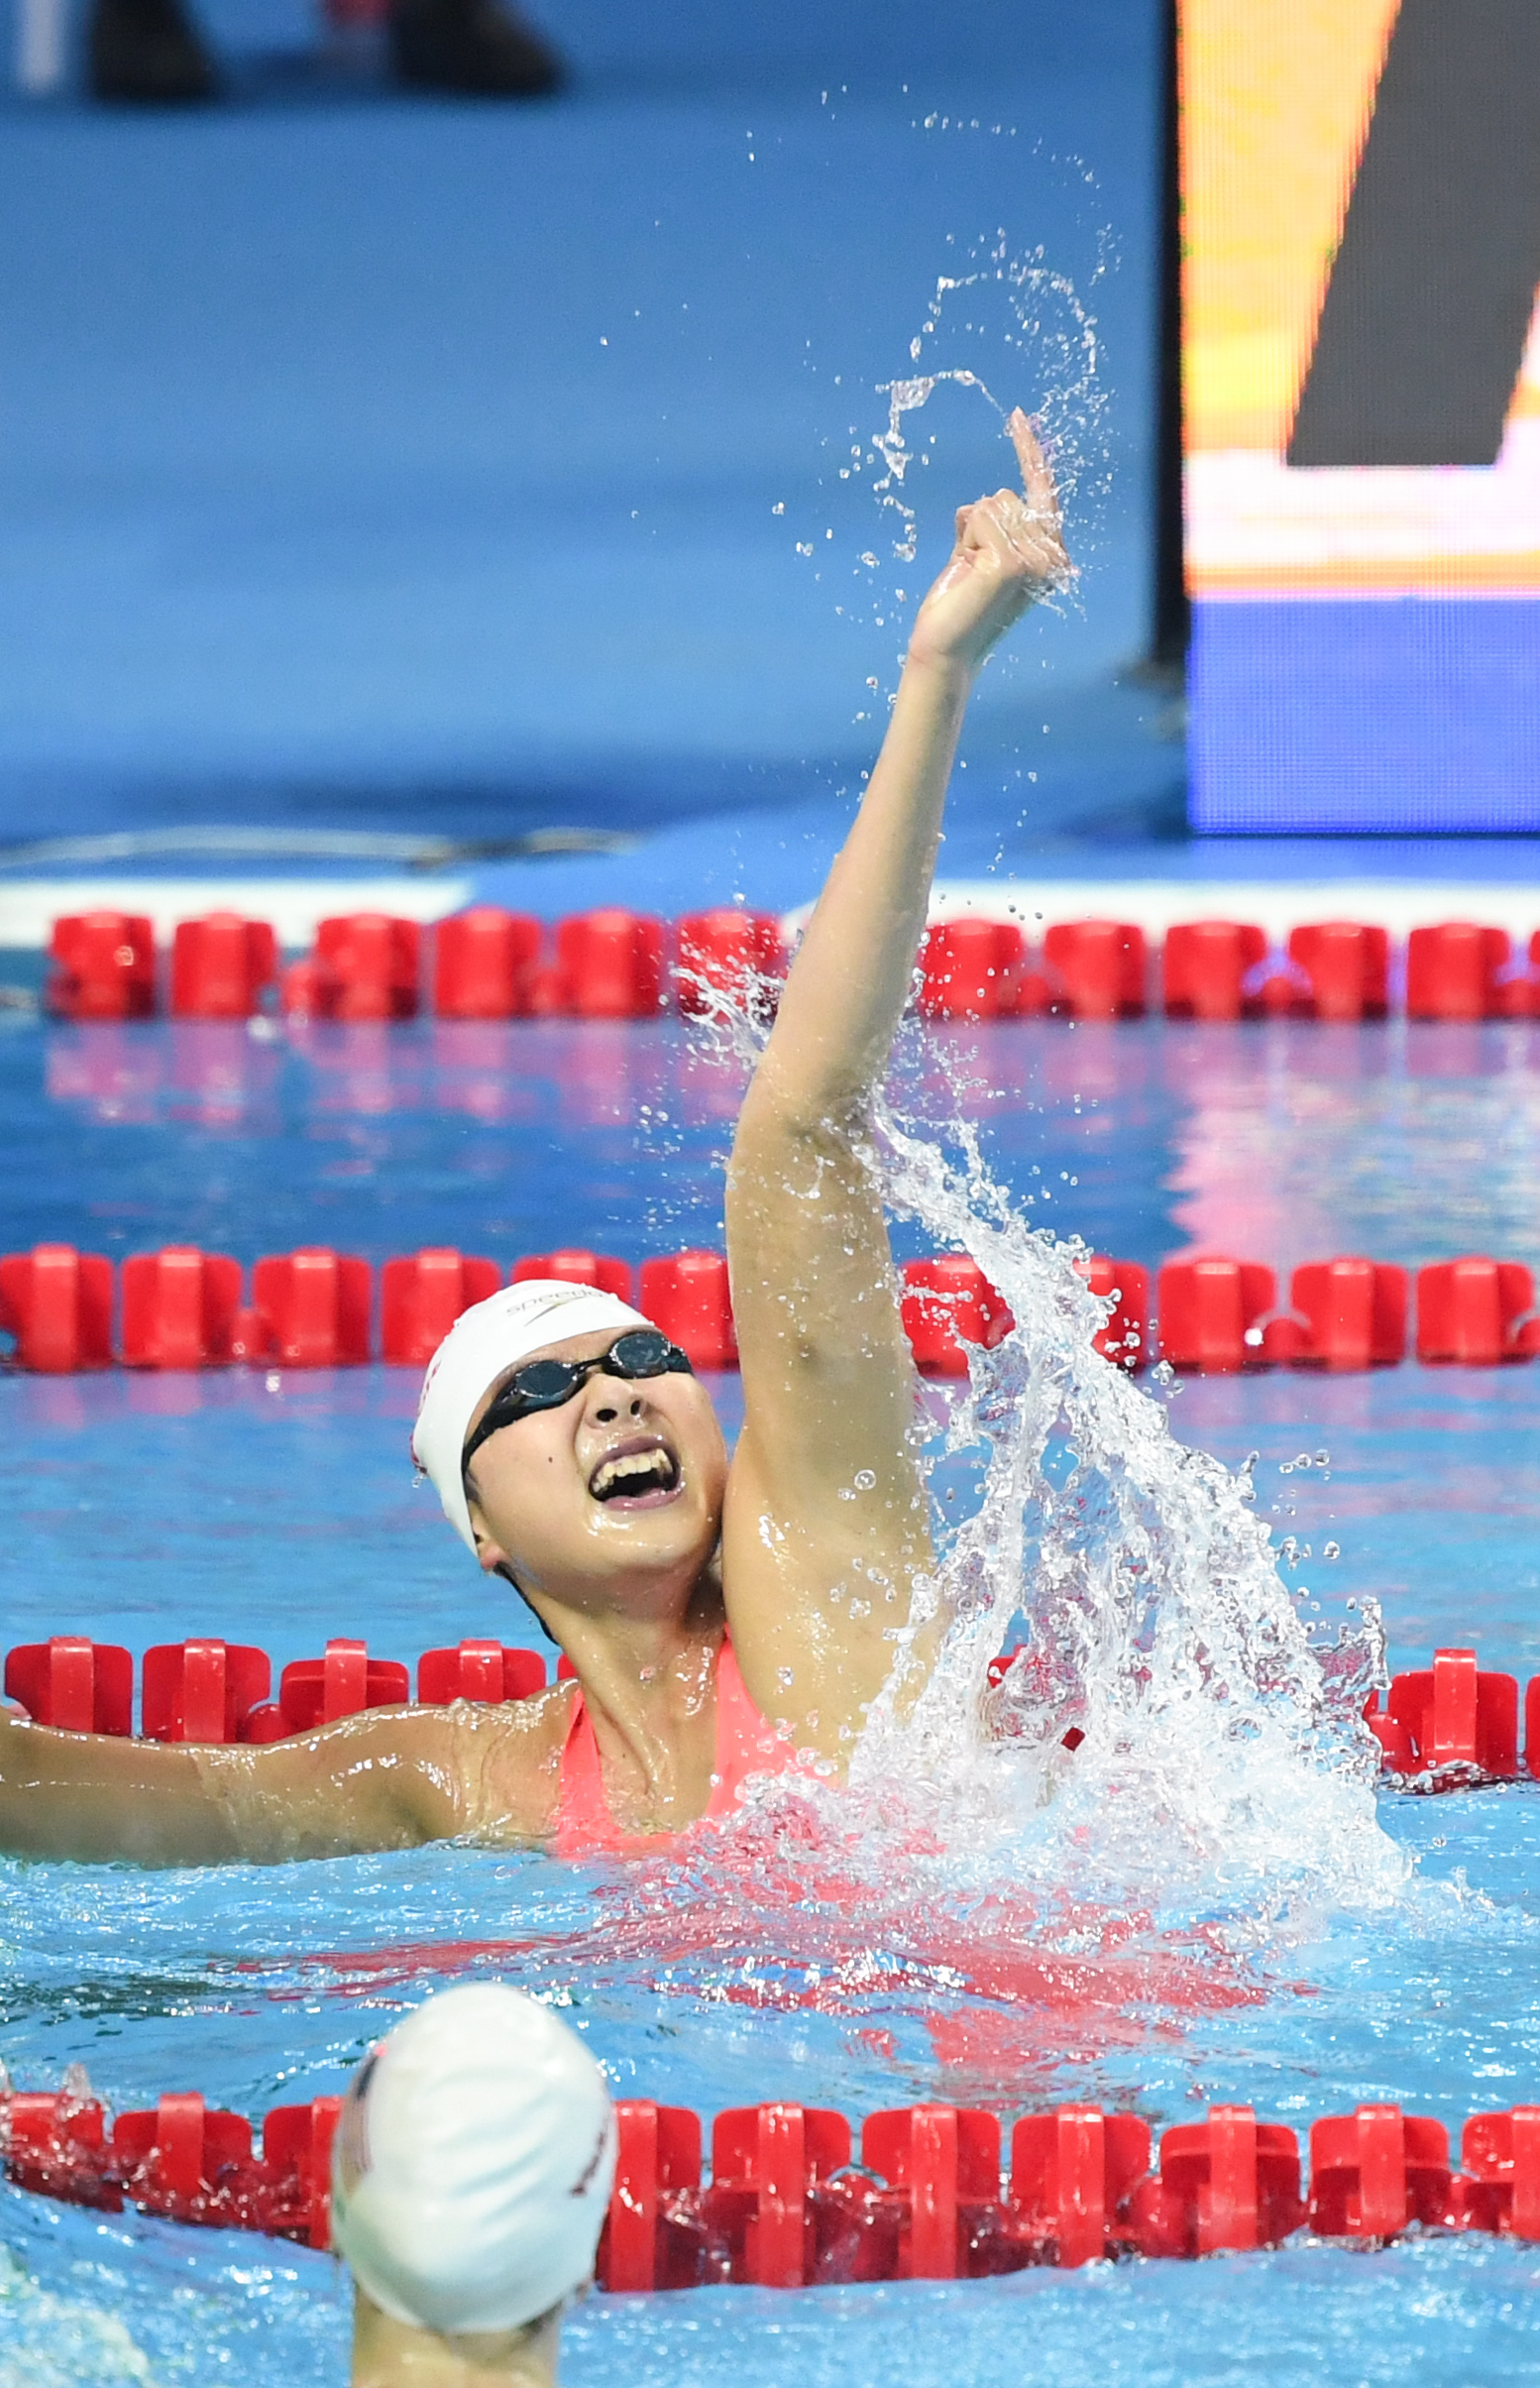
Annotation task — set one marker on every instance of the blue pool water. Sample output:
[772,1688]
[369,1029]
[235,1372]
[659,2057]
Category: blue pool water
[145,1507]
[1282,1141]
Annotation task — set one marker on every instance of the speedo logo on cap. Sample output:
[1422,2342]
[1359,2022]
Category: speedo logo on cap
[585,2180]
[353,2152]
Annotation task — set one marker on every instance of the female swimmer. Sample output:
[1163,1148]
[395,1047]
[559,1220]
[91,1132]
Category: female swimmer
[720,1617]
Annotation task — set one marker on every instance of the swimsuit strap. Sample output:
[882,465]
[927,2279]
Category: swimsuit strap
[746,1745]
[584,1825]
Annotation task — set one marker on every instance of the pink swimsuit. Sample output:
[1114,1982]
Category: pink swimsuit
[745,1745]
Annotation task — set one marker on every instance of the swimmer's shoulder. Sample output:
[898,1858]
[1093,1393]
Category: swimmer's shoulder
[507,1758]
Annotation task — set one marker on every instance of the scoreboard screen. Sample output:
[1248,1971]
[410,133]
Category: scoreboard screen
[1361,261]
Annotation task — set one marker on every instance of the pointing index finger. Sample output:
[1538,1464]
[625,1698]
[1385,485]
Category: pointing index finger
[1036,473]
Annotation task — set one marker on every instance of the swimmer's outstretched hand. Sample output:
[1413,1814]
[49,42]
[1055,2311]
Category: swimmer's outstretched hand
[1009,551]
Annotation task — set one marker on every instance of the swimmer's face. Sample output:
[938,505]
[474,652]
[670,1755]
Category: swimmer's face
[624,1483]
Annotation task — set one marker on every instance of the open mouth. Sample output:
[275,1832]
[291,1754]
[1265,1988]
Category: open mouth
[640,1474]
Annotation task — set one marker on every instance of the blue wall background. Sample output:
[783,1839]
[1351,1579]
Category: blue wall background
[322,495]
[1329,715]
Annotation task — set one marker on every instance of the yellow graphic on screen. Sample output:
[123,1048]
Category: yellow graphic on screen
[1276,99]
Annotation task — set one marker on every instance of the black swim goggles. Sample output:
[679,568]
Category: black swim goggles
[641,1351]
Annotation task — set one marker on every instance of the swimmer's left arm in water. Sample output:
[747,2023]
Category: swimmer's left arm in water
[825,1524]
[390,1779]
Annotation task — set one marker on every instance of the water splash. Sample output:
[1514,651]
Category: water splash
[1217,1790]
[1017,306]
[1026,322]
[905,397]
[1221,1768]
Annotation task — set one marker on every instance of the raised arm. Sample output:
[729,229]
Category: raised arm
[826,1527]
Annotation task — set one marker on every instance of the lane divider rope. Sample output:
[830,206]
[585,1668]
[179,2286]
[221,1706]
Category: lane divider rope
[182,1308]
[794,2201]
[1448,1727]
[488,964]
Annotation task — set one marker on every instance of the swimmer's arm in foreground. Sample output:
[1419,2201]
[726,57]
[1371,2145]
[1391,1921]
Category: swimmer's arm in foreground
[826,1527]
[390,1779]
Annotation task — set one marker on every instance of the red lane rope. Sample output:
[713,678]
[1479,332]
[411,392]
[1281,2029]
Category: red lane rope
[315,1308]
[490,964]
[1448,1727]
[793,2199]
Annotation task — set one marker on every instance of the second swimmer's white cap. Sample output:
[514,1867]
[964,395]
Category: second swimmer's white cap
[472,2167]
[485,1342]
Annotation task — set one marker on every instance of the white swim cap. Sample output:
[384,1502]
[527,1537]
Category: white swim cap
[485,1342]
[472,2167]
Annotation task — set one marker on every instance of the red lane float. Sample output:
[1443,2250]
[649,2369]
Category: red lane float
[209,1690]
[74,1686]
[180,2159]
[317,1691]
[103,966]
[1208,1311]
[1348,1314]
[1453,971]
[1125,1339]
[201,1691]
[767,2165]
[221,966]
[1204,966]
[1476,1312]
[947,1305]
[1376,2171]
[309,1310]
[489,963]
[784,2210]
[609,967]
[55,2144]
[180,1308]
[651,2240]
[972,970]
[1452,1714]
[58,1304]
[727,955]
[187,2161]
[420,1299]
[480,1671]
[942,2165]
[296,2149]
[1229,2183]
[1499,2157]
[366,966]
[1097,968]
[1072,2175]
[1346,965]
[687,1296]
[485,965]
